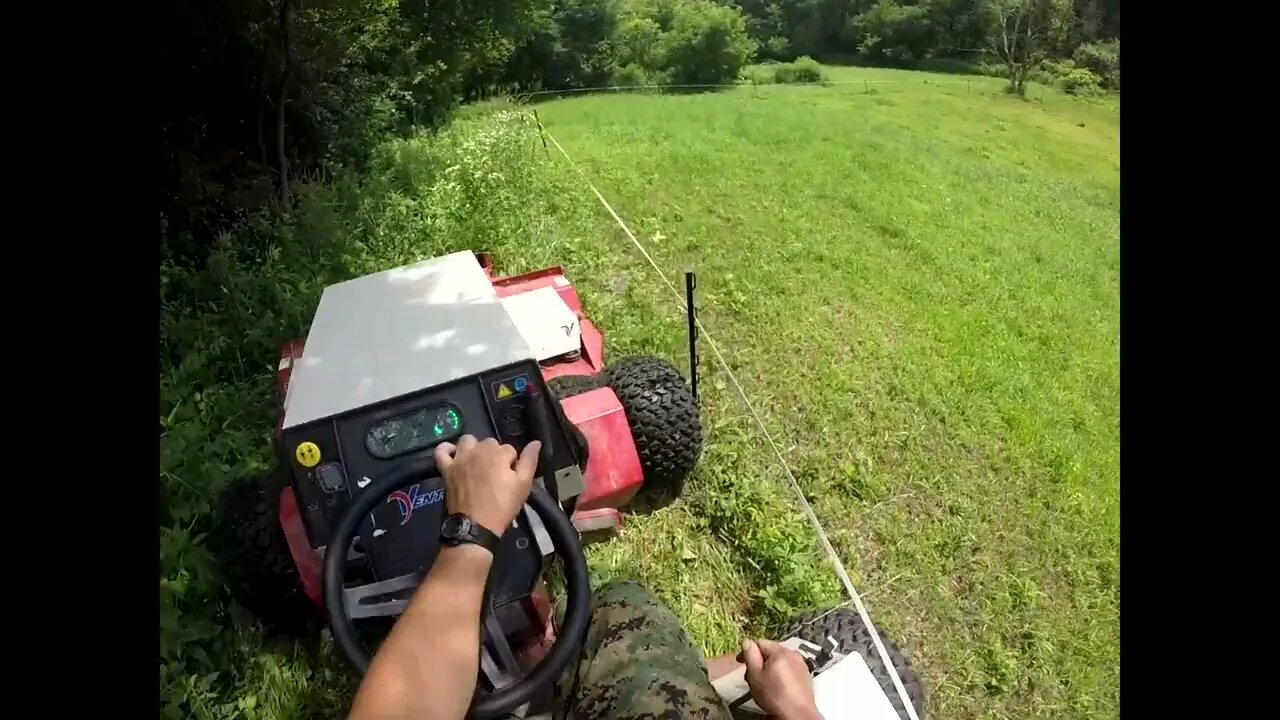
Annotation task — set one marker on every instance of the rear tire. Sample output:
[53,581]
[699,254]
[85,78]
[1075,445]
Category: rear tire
[846,626]
[258,566]
[664,425]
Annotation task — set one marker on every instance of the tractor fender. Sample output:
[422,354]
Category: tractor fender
[613,473]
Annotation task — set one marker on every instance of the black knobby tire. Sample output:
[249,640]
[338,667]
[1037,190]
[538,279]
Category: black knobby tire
[569,385]
[664,425]
[846,626]
[255,557]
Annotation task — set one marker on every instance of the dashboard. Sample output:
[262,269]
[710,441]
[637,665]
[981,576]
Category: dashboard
[333,459]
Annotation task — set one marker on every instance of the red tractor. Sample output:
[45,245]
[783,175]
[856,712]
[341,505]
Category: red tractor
[401,360]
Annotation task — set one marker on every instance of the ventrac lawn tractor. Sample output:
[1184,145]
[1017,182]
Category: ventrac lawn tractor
[399,361]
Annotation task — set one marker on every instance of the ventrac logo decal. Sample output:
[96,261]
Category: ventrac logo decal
[414,499]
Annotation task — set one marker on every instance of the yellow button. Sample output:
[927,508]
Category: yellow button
[308,454]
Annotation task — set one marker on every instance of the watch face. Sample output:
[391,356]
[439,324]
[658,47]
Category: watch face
[454,526]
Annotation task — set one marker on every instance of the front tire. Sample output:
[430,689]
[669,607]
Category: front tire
[258,566]
[846,626]
[664,425]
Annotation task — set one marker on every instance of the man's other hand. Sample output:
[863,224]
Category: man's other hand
[486,481]
[779,679]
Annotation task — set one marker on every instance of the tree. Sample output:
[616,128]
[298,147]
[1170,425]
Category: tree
[585,52]
[1021,30]
[893,32]
[261,92]
[637,42]
[707,44]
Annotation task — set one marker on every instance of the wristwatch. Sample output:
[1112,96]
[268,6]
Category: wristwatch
[458,529]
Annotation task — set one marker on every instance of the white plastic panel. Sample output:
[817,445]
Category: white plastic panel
[395,332]
[848,691]
[545,321]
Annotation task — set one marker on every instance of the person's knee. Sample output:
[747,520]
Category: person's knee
[626,603]
[623,590]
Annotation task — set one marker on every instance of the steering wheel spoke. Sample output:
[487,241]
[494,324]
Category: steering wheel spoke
[497,660]
[382,598]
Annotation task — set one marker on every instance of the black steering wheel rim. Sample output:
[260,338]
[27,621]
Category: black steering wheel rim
[564,537]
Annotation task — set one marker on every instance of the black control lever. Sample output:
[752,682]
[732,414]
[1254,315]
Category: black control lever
[540,424]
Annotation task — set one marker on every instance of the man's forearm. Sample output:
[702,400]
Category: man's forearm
[426,668]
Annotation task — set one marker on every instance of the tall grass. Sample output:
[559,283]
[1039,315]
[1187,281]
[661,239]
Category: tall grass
[482,182]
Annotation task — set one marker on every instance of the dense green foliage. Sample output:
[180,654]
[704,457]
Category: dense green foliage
[260,93]
[594,43]
[586,43]
[903,32]
[1103,60]
[263,92]
[1011,37]
[803,69]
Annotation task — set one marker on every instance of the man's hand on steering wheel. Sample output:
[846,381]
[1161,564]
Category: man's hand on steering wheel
[486,481]
[426,668]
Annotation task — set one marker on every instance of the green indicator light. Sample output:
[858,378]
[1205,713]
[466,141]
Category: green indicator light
[437,429]
[453,418]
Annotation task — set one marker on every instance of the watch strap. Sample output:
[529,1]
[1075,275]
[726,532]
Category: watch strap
[469,531]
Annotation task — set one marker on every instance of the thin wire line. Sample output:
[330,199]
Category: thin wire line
[692,86]
[795,485]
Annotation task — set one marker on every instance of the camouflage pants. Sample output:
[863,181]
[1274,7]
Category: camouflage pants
[637,663]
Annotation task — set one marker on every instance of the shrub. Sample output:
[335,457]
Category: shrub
[1050,71]
[1080,82]
[1057,67]
[631,76]
[804,70]
[1103,59]
[707,44]
[776,47]
[759,75]
[893,34]
[637,42]
[990,69]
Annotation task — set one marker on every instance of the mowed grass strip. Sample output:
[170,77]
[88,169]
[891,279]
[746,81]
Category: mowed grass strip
[918,282]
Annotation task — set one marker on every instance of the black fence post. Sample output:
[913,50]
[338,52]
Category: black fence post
[690,282]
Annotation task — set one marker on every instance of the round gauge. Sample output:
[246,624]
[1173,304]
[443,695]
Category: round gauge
[452,420]
[414,431]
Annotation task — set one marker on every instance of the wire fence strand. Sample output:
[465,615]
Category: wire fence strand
[829,549]
[978,83]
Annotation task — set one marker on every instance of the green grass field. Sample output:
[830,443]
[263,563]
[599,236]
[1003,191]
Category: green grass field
[917,282]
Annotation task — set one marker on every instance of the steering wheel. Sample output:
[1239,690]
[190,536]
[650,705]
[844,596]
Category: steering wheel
[340,600]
